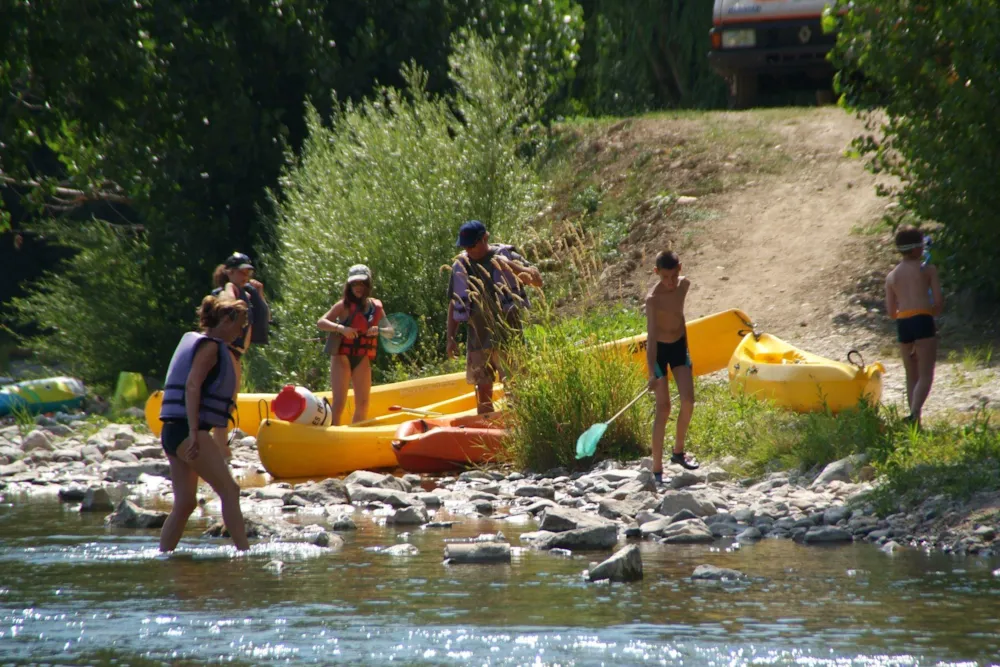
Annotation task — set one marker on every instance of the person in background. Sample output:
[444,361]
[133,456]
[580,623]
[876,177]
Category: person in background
[486,291]
[234,278]
[197,397]
[352,344]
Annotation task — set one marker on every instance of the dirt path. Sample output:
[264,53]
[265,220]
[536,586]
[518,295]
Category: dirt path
[786,248]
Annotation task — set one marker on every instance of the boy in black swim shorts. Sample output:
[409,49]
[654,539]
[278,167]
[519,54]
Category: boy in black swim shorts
[667,348]
[913,298]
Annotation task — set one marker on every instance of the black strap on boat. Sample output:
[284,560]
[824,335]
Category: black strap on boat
[859,365]
[267,411]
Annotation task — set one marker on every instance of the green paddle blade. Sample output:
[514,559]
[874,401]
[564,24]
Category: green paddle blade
[398,332]
[586,444]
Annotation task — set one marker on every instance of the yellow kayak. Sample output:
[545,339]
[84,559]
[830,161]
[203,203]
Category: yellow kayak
[289,451]
[711,341]
[252,408]
[768,367]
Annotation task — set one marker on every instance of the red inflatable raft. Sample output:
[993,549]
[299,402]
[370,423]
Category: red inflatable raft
[442,444]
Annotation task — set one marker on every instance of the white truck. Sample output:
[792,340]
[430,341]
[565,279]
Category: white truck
[752,39]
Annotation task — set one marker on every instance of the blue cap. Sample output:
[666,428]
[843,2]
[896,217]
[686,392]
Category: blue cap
[470,233]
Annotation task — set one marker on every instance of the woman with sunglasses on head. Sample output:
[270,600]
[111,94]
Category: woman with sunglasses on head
[352,324]
[233,278]
[197,397]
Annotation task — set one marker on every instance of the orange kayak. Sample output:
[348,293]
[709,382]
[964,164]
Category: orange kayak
[442,444]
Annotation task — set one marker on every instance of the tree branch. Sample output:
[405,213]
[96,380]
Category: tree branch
[72,196]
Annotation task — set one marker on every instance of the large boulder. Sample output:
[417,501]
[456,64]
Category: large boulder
[365,494]
[625,565]
[130,515]
[842,470]
[408,516]
[96,499]
[591,537]
[327,492]
[377,481]
[37,440]
[558,519]
[691,531]
[675,501]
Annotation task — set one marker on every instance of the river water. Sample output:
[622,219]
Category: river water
[73,592]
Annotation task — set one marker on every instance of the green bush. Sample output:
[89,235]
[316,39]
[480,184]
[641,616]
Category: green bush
[559,391]
[388,183]
[87,314]
[923,75]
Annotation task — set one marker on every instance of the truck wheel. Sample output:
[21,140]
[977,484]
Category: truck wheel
[742,90]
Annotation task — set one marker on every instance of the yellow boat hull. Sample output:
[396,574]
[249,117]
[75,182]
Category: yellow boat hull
[295,451]
[711,341]
[769,368]
[252,408]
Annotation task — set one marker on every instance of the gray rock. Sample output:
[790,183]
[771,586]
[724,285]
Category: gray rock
[559,519]
[130,515]
[96,499]
[590,537]
[412,479]
[398,550]
[835,515]
[628,508]
[72,494]
[439,524]
[473,475]
[327,492]
[644,482]
[274,492]
[841,470]
[751,534]
[535,491]
[715,473]
[91,454]
[539,505]
[743,515]
[675,501]
[431,500]
[66,455]
[624,565]
[486,552]
[343,523]
[11,453]
[377,481]
[37,440]
[654,528]
[515,477]
[683,515]
[408,516]
[483,507]
[59,430]
[148,451]
[826,534]
[713,573]
[130,472]
[890,546]
[727,529]
[121,457]
[364,494]
[985,533]
[646,516]
[686,478]
[38,456]
[692,531]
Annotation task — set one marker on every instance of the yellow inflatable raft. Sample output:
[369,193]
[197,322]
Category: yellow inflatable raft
[251,408]
[291,451]
[768,367]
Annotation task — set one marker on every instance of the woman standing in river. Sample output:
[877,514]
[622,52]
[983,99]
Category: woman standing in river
[197,397]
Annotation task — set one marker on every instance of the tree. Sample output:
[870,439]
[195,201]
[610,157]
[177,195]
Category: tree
[924,76]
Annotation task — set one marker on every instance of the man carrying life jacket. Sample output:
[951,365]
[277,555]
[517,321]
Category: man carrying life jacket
[486,291]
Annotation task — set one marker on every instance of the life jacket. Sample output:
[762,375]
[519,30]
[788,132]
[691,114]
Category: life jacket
[500,285]
[246,297]
[216,392]
[362,346]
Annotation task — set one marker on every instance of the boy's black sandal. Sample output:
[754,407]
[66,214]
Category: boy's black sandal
[681,460]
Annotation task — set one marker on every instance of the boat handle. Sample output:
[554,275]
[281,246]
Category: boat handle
[859,365]
[267,411]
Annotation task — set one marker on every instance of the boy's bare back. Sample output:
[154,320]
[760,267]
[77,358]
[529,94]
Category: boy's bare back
[908,288]
[665,307]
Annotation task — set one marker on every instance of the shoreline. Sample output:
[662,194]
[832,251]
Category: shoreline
[574,511]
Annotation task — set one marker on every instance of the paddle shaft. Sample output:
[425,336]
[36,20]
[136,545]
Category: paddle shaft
[630,404]
[426,413]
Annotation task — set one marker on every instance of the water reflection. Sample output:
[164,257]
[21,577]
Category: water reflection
[70,588]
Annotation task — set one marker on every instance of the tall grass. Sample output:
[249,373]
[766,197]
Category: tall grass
[560,390]
[387,184]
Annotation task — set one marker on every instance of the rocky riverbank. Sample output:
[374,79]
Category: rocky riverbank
[120,470]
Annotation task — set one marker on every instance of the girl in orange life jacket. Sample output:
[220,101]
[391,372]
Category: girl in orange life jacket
[232,279]
[355,319]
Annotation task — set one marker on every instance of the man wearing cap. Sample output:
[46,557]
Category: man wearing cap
[486,291]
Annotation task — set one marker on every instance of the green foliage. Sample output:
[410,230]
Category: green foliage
[924,77]
[388,183]
[646,54]
[948,458]
[87,313]
[559,391]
